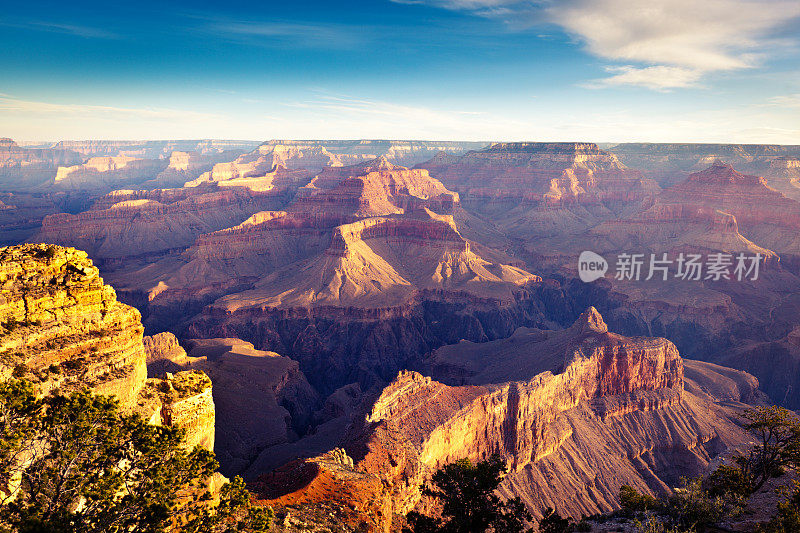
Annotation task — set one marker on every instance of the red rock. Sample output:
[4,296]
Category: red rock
[626,393]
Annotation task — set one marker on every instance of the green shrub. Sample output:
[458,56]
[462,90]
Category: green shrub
[632,500]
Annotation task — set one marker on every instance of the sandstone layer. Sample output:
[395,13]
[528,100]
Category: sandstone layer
[536,189]
[62,328]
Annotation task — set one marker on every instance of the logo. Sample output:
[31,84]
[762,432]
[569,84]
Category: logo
[591,266]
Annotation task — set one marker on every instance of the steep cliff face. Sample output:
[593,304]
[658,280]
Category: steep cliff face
[266,157]
[62,328]
[626,393]
[65,326]
[329,482]
[670,163]
[549,173]
[186,166]
[406,153]
[260,398]
[107,173]
[153,149]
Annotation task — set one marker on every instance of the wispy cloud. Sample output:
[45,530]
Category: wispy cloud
[86,32]
[659,78]
[661,44]
[286,33]
[15,106]
[789,100]
[376,118]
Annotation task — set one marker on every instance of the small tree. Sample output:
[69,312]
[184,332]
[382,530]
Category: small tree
[79,465]
[469,504]
[777,431]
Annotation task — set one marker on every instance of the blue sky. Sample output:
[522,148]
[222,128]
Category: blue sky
[601,70]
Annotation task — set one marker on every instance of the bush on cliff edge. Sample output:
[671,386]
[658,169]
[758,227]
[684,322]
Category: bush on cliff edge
[75,464]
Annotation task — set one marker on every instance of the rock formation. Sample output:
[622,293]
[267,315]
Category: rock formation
[405,153]
[260,398]
[22,169]
[670,163]
[543,401]
[536,189]
[65,327]
[360,242]
[153,149]
[126,224]
[107,173]
[62,328]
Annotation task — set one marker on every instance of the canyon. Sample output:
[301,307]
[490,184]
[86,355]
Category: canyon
[338,319]
[543,405]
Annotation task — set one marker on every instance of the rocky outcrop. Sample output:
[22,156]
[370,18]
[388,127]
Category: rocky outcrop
[670,163]
[329,482]
[153,149]
[261,399]
[406,153]
[184,399]
[547,173]
[186,166]
[107,173]
[62,328]
[627,393]
[269,156]
[537,189]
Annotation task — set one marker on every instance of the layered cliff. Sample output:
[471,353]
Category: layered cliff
[126,224]
[22,168]
[591,387]
[537,189]
[401,152]
[260,399]
[267,157]
[107,173]
[549,173]
[670,163]
[152,149]
[63,329]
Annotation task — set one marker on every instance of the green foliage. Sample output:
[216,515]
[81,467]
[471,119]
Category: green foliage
[48,253]
[82,466]
[727,480]
[691,506]
[468,501]
[632,500]
[654,524]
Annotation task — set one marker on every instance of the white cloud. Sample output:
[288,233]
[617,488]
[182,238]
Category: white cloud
[691,38]
[287,34]
[658,78]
